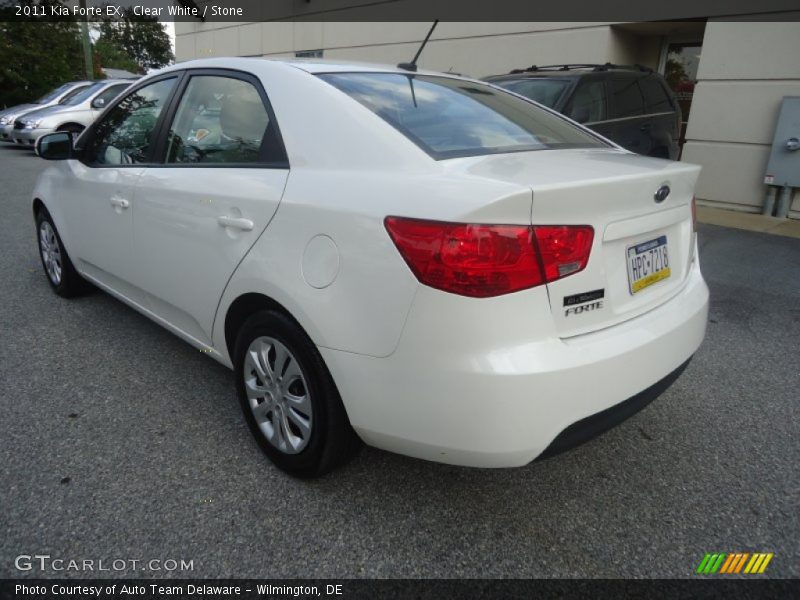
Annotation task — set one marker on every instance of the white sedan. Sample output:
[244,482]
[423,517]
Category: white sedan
[424,262]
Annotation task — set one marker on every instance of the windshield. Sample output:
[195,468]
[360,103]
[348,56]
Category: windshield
[541,90]
[84,94]
[72,93]
[47,98]
[450,118]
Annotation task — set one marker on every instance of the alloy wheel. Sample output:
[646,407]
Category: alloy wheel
[278,395]
[51,252]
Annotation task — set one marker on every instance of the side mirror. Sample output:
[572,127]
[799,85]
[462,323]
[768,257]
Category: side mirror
[98,103]
[55,146]
[580,114]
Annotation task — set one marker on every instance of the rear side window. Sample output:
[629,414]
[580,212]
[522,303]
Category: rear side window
[627,96]
[656,99]
[589,102]
[449,118]
[222,120]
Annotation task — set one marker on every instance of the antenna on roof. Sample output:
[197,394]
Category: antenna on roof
[412,66]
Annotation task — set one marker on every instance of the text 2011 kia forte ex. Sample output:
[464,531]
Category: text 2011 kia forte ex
[424,262]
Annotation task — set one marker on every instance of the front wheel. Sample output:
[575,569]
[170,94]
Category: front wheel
[288,397]
[61,274]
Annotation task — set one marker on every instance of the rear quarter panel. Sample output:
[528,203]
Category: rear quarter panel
[349,170]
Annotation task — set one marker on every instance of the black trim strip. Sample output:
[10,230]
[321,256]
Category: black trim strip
[597,424]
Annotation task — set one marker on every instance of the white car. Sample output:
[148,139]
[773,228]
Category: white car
[72,115]
[58,96]
[424,262]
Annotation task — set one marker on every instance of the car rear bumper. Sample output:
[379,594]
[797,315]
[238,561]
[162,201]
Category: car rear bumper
[598,423]
[450,393]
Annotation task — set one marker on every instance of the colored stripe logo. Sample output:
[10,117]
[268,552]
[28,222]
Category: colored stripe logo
[735,562]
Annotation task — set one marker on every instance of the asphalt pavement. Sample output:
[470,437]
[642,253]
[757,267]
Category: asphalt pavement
[118,441]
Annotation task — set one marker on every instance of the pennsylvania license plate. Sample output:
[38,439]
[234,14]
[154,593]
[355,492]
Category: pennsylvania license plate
[648,263]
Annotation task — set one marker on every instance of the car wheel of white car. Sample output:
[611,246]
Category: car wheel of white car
[288,397]
[63,277]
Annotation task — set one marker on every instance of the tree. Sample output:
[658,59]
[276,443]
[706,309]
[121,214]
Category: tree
[107,55]
[141,39]
[36,57]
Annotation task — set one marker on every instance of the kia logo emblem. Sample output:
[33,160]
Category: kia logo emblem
[661,194]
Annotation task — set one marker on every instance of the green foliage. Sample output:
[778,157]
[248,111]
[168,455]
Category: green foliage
[142,39]
[36,57]
[109,55]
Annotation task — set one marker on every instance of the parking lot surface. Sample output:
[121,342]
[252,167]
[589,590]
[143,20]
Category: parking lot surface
[119,441]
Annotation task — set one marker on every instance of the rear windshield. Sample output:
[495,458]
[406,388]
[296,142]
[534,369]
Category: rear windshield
[450,118]
[543,91]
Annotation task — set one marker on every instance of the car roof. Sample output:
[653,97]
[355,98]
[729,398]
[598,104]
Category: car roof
[313,66]
[573,71]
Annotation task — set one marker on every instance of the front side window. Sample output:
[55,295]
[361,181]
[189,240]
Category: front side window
[110,93]
[123,137]
[450,118]
[221,120]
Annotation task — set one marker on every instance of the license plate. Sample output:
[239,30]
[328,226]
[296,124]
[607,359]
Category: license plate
[648,263]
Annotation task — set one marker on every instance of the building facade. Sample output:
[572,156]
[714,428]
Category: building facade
[730,76]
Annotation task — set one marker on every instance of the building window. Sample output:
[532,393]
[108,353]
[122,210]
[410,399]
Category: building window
[308,54]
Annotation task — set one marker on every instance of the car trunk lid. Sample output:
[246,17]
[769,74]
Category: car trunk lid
[642,248]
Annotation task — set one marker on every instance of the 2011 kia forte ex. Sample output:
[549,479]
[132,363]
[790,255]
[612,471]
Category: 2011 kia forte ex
[428,263]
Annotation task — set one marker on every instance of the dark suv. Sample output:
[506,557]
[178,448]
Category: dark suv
[630,105]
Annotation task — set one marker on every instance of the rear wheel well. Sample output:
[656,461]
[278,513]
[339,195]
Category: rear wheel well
[241,309]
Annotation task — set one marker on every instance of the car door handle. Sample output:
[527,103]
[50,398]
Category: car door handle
[120,202]
[235,222]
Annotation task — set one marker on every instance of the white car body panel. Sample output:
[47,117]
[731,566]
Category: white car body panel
[102,229]
[495,394]
[484,382]
[184,256]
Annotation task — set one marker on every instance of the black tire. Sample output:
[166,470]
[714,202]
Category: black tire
[331,441]
[68,283]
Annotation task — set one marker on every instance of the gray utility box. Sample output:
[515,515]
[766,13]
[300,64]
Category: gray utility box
[783,168]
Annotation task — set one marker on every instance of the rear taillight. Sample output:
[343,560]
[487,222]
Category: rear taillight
[489,260]
[564,248]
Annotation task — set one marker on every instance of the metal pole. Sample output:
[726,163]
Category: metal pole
[87,43]
[784,201]
[769,203]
